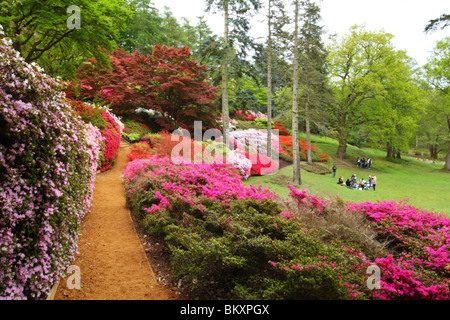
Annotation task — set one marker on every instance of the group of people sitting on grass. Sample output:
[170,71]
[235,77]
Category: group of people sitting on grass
[361,184]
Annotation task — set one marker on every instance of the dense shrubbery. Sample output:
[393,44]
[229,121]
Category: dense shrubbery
[317,154]
[134,130]
[48,159]
[110,127]
[228,240]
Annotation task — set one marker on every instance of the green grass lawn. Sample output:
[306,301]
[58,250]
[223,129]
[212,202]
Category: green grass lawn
[426,185]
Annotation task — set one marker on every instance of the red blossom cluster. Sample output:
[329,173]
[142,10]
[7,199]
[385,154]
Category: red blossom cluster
[108,126]
[286,143]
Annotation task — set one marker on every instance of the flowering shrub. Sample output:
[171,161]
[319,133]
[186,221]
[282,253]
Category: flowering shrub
[232,123]
[286,143]
[253,140]
[223,235]
[110,126]
[164,145]
[282,130]
[421,270]
[244,115]
[140,150]
[228,240]
[48,159]
[112,135]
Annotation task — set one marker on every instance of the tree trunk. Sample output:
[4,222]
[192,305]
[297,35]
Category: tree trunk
[447,160]
[225,109]
[389,151]
[342,148]
[433,151]
[296,151]
[308,137]
[342,136]
[269,85]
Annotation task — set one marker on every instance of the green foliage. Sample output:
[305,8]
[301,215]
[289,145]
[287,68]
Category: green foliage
[262,123]
[39,31]
[134,130]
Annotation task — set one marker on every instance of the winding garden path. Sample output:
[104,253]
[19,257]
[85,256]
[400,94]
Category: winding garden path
[112,261]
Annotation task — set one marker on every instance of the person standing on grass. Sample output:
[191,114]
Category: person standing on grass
[374,182]
[334,171]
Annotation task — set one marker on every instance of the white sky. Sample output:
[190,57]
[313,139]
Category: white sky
[405,19]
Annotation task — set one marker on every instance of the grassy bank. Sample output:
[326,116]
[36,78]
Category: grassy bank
[426,185]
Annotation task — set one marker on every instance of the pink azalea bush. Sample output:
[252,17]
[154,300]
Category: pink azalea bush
[229,240]
[254,140]
[224,236]
[421,269]
[420,265]
[48,159]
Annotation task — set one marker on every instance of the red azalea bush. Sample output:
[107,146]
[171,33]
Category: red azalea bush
[112,135]
[261,164]
[282,130]
[244,115]
[286,143]
[109,126]
[140,150]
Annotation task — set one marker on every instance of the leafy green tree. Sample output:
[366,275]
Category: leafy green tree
[438,72]
[432,125]
[358,67]
[39,30]
[143,28]
[398,109]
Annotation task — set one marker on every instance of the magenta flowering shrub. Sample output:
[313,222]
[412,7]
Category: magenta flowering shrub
[420,265]
[421,269]
[48,159]
[193,184]
[230,240]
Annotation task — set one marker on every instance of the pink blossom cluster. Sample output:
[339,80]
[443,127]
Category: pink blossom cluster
[306,200]
[48,159]
[254,141]
[188,183]
[421,267]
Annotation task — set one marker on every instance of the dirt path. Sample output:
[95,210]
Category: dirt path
[112,261]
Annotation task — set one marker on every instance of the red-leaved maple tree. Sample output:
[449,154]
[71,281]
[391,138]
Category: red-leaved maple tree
[167,81]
